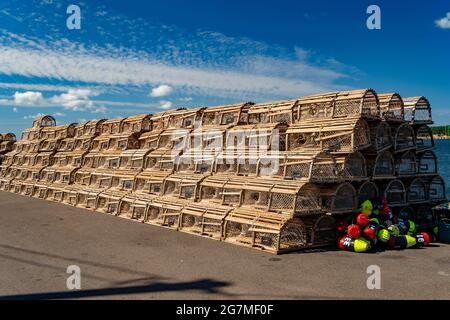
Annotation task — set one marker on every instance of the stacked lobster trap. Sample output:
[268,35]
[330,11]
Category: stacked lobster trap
[271,176]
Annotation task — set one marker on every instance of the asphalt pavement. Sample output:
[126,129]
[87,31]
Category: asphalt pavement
[123,259]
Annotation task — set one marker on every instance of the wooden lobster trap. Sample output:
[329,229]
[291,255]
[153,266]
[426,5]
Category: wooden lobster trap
[394,192]
[149,140]
[204,220]
[68,145]
[39,123]
[109,201]
[427,163]
[274,112]
[35,147]
[256,138]
[165,212]
[91,128]
[22,146]
[18,187]
[136,124]
[5,183]
[40,190]
[366,191]
[58,178]
[208,138]
[120,141]
[351,166]
[406,164]
[201,162]
[183,186]
[69,194]
[307,166]
[55,192]
[165,119]
[12,172]
[57,132]
[73,159]
[129,160]
[265,231]
[174,139]
[321,231]
[111,127]
[226,115]
[7,141]
[291,197]
[416,191]
[363,103]
[83,176]
[233,162]
[7,161]
[64,175]
[150,182]
[336,135]
[185,118]
[338,198]
[424,138]
[380,136]
[84,197]
[133,160]
[42,160]
[403,137]
[134,206]
[381,165]
[391,106]
[436,189]
[161,160]
[417,110]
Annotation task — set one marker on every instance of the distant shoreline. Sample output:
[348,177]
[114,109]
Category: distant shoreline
[441,137]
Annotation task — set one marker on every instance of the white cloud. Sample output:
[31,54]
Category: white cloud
[51,87]
[253,78]
[59,114]
[28,117]
[100,109]
[165,104]
[161,91]
[76,99]
[185,99]
[28,98]
[444,23]
[15,109]
[301,53]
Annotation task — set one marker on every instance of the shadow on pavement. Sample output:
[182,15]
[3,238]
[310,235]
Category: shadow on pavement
[206,285]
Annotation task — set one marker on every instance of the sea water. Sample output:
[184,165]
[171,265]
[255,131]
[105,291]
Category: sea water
[443,155]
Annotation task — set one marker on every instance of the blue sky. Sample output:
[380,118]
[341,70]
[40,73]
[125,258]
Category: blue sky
[131,57]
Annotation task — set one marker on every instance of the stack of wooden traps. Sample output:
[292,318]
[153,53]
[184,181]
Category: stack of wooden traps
[270,176]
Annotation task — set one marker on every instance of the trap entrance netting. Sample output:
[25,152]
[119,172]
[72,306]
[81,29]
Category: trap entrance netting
[381,165]
[391,107]
[417,110]
[403,137]
[406,164]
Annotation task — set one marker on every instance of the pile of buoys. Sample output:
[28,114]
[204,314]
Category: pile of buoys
[375,225]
